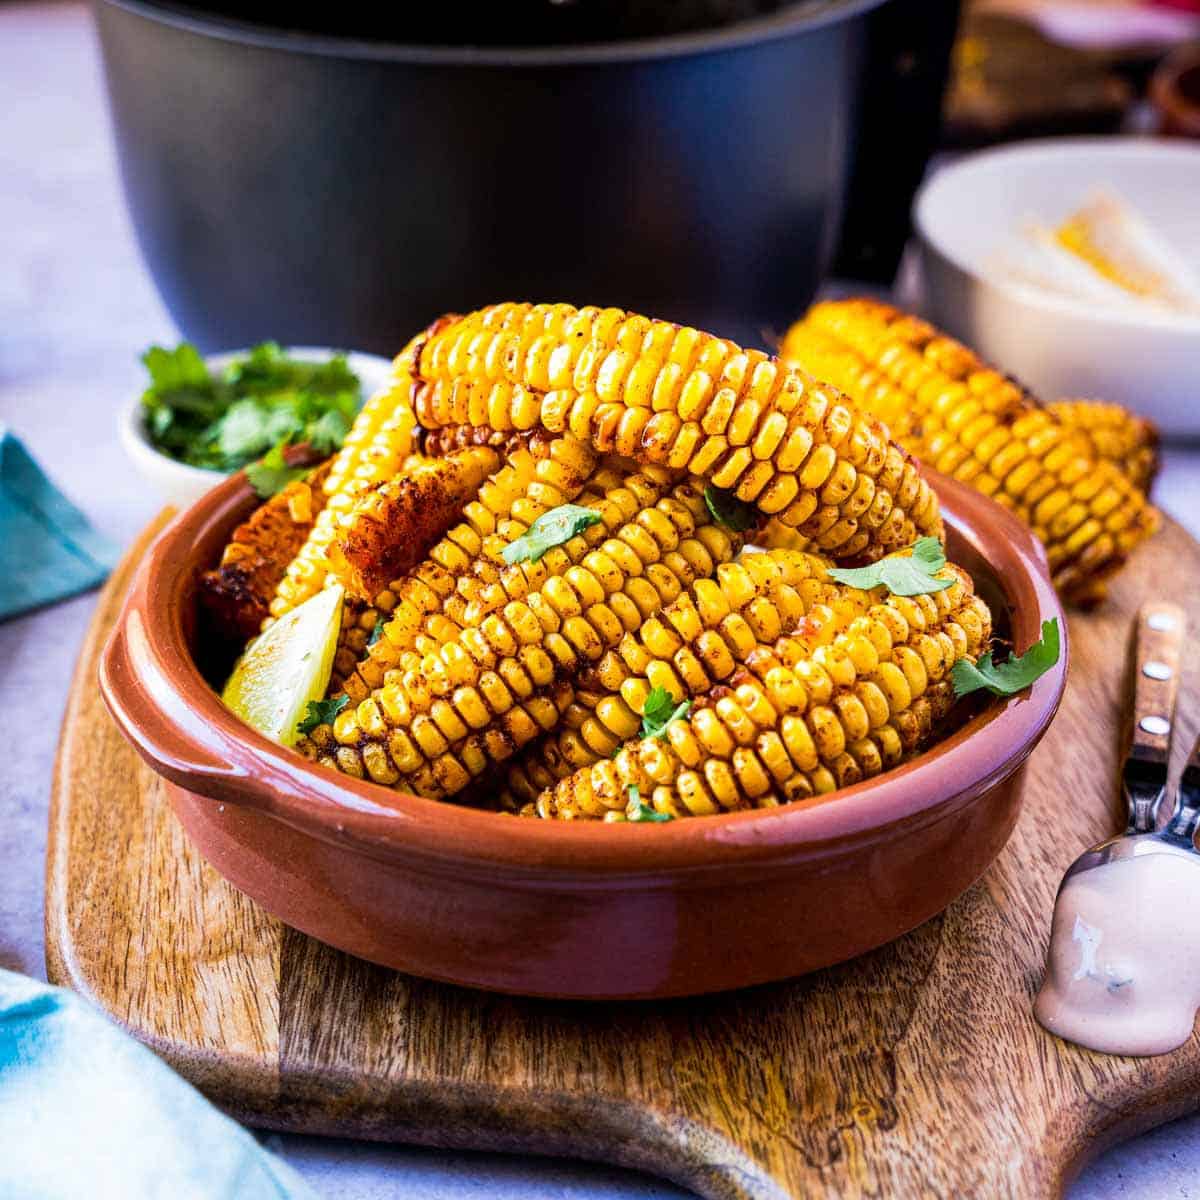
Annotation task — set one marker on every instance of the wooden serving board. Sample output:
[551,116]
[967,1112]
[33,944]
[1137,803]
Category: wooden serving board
[913,1071]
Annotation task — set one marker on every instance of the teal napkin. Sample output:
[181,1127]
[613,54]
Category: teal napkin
[85,1111]
[48,551]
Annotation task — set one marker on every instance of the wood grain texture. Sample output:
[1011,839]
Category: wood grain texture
[915,1070]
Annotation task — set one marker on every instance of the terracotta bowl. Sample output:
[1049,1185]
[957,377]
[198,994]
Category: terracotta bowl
[577,910]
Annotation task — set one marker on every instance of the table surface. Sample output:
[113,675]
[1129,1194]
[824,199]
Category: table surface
[76,309]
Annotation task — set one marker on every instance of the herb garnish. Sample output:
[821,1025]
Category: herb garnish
[636,811]
[376,632]
[1012,675]
[551,529]
[262,402]
[729,511]
[901,574]
[660,710]
[272,473]
[321,712]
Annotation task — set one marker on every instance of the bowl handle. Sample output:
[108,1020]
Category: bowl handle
[172,737]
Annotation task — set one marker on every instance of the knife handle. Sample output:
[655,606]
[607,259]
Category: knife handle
[1160,630]
[1159,636]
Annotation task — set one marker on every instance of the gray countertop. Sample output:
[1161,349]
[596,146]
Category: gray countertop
[76,309]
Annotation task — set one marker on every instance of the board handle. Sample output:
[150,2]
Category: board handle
[1158,638]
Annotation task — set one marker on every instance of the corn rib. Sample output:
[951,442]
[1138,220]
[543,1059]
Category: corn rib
[664,395]
[795,721]
[237,593]
[478,699]
[963,419]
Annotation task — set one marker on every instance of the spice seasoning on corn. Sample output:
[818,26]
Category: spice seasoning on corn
[550,608]
[964,419]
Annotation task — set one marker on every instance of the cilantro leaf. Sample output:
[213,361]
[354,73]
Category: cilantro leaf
[636,811]
[912,574]
[660,710]
[328,431]
[250,427]
[271,473]
[549,530]
[376,631]
[1014,674]
[728,510]
[321,712]
[179,368]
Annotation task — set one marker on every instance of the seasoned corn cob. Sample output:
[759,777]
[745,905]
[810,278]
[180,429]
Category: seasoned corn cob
[237,594]
[696,641]
[378,443]
[427,607]
[661,394]
[965,420]
[795,721]
[477,699]
[1116,434]
[390,528]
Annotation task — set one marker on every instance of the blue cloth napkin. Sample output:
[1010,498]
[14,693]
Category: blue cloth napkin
[85,1111]
[48,551]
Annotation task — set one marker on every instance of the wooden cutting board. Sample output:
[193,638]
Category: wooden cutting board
[914,1071]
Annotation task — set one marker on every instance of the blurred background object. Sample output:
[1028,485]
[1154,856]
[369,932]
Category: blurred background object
[984,281]
[1175,92]
[344,190]
[1034,68]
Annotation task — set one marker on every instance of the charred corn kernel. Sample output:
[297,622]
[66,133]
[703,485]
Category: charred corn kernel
[719,623]
[660,394]
[439,697]
[424,608]
[376,446]
[390,528]
[780,730]
[1056,468]
[1116,435]
[237,594]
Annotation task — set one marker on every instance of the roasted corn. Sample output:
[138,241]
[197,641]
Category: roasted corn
[964,419]
[476,700]
[378,443]
[430,605]
[390,528]
[237,593]
[696,641]
[1116,434]
[797,720]
[671,396]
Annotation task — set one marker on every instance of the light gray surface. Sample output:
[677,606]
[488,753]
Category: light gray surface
[76,308]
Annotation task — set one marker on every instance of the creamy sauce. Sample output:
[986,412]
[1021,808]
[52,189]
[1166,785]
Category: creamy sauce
[1123,969]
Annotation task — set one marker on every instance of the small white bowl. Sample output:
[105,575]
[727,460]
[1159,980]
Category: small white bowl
[968,212]
[179,483]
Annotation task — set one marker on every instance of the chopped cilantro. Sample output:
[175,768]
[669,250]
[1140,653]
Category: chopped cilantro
[549,530]
[660,710]
[912,574]
[1014,674]
[321,712]
[729,511]
[271,473]
[376,631]
[260,402]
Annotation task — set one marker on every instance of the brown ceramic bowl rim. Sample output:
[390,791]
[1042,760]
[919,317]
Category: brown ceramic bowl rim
[179,725]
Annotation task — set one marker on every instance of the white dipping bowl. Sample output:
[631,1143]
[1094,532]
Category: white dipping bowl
[180,484]
[968,212]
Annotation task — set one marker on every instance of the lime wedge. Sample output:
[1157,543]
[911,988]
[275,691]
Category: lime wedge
[286,667]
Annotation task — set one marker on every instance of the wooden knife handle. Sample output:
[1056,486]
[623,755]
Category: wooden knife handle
[1160,629]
